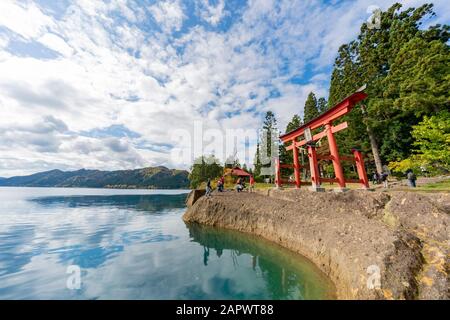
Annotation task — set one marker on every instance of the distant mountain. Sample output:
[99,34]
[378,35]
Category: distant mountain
[151,178]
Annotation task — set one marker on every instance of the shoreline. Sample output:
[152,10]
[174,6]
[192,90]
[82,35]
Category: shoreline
[348,236]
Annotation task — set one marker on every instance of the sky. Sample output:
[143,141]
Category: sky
[105,84]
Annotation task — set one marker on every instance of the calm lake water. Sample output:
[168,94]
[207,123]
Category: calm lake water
[133,244]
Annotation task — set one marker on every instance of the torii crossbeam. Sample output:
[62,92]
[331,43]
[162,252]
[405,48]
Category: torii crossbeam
[326,119]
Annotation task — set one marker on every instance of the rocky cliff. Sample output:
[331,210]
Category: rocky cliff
[372,245]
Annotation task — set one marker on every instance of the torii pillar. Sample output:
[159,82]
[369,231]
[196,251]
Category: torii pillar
[314,168]
[296,167]
[334,152]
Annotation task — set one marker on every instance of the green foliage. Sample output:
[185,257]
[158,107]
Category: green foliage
[269,136]
[406,70]
[294,123]
[204,168]
[432,139]
[311,111]
[432,145]
[257,163]
[322,105]
[286,156]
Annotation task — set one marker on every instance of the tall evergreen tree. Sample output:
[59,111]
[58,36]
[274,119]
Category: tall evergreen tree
[322,105]
[257,163]
[294,123]
[311,111]
[268,142]
[286,156]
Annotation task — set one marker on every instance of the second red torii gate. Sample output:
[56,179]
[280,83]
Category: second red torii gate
[325,119]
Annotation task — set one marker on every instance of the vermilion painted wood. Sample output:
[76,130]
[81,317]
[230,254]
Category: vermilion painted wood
[342,108]
[325,119]
[362,174]
[334,151]
[316,137]
[296,168]
[315,177]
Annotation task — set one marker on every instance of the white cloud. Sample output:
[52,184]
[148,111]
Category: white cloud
[169,14]
[213,14]
[118,72]
[56,43]
[26,20]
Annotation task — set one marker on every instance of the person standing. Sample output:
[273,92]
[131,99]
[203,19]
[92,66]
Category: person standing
[208,188]
[411,179]
[222,182]
[376,178]
[252,184]
[384,179]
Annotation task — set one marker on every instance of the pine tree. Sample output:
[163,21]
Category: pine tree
[268,142]
[294,123]
[284,155]
[322,105]
[310,111]
[257,163]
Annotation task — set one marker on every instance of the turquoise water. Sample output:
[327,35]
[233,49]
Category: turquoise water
[133,244]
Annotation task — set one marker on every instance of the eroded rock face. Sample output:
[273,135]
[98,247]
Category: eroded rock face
[345,235]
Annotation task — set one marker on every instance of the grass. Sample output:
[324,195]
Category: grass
[442,186]
[262,185]
[437,186]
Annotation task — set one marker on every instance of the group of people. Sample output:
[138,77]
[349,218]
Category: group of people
[383,178]
[380,178]
[240,185]
[220,186]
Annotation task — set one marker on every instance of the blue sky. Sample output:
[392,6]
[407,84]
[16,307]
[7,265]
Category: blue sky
[102,84]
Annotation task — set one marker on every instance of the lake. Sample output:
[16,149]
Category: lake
[58,243]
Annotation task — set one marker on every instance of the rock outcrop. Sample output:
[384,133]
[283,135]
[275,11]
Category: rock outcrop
[372,245]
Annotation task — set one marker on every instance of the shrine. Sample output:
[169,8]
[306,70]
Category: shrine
[304,137]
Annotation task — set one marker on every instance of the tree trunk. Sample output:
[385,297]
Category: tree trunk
[375,150]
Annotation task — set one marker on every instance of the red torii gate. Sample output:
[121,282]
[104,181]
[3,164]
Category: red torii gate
[325,119]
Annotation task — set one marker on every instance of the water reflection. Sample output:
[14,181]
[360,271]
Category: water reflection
[147,203]
[286,275]
[137,247]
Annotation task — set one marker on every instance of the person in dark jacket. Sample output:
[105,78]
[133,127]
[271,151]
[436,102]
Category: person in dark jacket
[208,188]
[411,179]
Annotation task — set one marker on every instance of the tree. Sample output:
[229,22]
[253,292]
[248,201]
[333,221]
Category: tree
[322,105]
[286,156]
[257,162]
[406,72]
[204,168]
[432,145]
[310,111]
[294,123]
[268,143]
